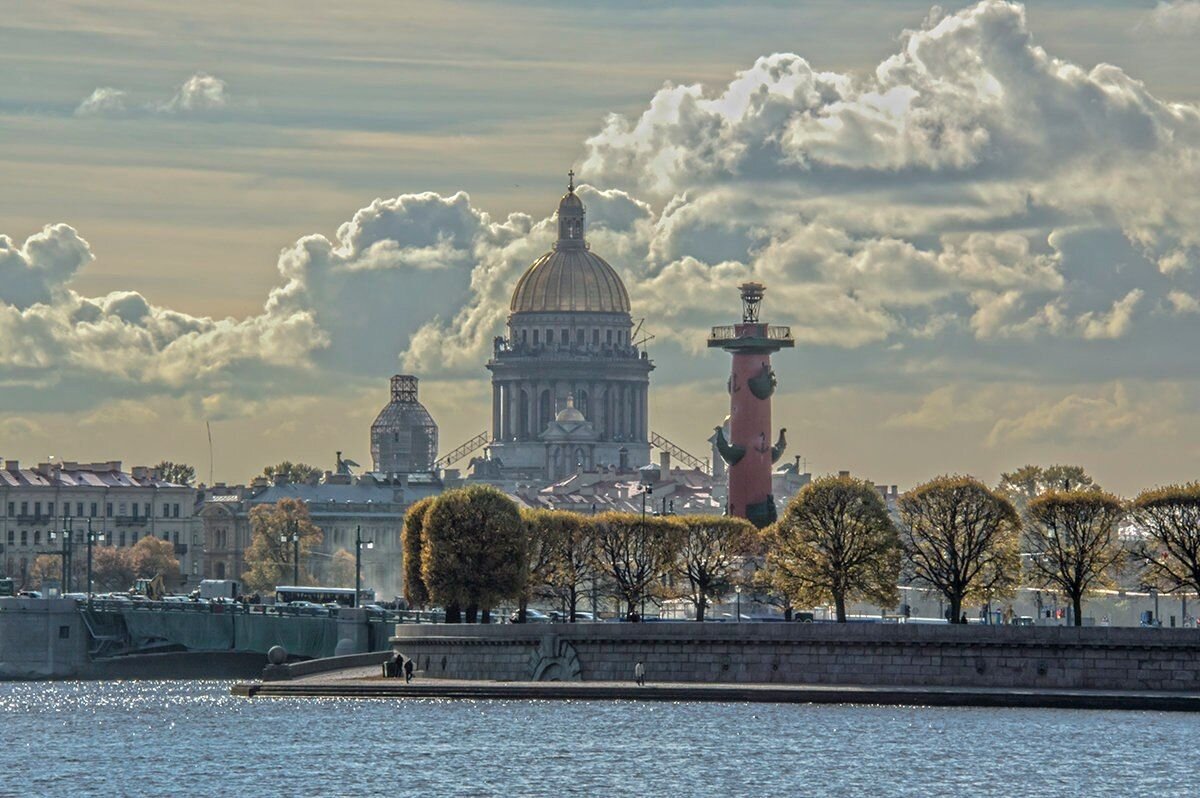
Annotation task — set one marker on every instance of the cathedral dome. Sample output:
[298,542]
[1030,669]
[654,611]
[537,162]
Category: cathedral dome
[565,280]
[570,277]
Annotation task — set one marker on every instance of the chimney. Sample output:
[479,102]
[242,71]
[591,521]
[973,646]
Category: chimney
[280,479]
[843,474]
[139,472]
[664,462]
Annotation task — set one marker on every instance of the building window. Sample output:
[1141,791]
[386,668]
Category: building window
[121,508]
[37,537]
[148,510]
[549,337]
[166,511]
[79,509]
[108,510]
[11,508]
[535,337]
[122,539]
[566,337]
[608,337]
[579,333]
[596,337]
[93,512]
[24,537]
[37,509]
[64,632]
[176,510]
[166,537]
[50,510]
[133,537]
[24,508]
[195,539]
[176,538]
[11,537]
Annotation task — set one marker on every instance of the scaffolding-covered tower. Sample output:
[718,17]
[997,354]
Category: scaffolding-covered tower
[404,437]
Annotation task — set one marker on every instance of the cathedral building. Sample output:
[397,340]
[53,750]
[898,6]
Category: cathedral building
[570,388]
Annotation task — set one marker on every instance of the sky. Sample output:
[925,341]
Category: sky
[980,220]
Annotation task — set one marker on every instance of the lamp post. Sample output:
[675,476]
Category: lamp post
[647,490]
[295,539]
[92,537]
[737,589]
[359,543]
[65,553]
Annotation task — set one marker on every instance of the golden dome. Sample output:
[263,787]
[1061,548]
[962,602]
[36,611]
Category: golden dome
[570,277]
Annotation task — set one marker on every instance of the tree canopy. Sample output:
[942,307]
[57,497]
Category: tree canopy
[961,539]
[178,473]
[713,551]
[634,553]
[473,549]
[1169,518]
[1073,543]
[291,473]
[835,542]
[1030,481]
[558,550]
[411,545]
[270,560]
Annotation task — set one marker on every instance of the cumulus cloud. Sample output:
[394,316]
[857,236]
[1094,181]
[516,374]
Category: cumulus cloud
[972,198]
[105,101]
[201,93]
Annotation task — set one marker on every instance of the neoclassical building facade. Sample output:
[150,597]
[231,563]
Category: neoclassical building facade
[569,358]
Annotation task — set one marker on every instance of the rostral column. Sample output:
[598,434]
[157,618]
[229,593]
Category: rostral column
[748,449]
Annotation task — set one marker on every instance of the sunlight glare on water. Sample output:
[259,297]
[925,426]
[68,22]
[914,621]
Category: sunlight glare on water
[164,738]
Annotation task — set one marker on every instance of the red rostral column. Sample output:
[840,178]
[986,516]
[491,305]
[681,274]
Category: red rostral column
[748,449]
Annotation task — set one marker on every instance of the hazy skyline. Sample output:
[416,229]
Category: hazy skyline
[981,221]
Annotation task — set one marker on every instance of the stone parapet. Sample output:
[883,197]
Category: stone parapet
[796,653]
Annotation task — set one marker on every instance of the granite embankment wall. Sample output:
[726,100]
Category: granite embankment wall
[796,653]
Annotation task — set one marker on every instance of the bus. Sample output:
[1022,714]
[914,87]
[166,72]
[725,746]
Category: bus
[322,595]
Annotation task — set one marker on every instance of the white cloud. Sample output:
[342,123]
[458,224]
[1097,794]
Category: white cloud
[1175,17]
[105,101]
[1182,302]
[200,92]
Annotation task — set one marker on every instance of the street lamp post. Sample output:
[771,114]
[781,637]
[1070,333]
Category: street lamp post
[65,553]
[359,543]
[737,589]
[92,537]
[647,490]
[295,540]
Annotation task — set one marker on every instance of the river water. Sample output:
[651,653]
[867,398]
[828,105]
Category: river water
[193,738]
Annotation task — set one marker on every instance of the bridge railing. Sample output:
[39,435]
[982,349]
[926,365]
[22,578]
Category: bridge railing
[236,608]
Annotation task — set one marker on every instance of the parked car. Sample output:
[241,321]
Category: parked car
[531,616]
[557,616]
[306,608]
[375,611]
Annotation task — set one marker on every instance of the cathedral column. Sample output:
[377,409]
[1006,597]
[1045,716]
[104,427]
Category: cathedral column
[512,395]
[497,390]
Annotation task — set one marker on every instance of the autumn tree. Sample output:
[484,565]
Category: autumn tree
[713,550]
[270,559]
[473,550]
[291,473]
[151,557]
[836,543]
[1073,542]
[411,544]
[46,567]
[635,552]
[176,473]
[1030,481]
[961,539]
[341,569]
[112,569]
[559,556]
[1169,517]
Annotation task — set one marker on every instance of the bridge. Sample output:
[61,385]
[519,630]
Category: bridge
[60,638]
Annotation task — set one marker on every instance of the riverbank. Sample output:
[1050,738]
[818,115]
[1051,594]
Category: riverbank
[365,683]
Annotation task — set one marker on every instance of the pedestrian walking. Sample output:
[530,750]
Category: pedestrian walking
[408,670]
[639,674]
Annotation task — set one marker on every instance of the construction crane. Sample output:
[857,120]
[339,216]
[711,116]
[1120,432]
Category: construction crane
[683,456]
[462,451]
[645,339]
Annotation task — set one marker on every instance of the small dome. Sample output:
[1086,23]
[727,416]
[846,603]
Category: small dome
[570,414]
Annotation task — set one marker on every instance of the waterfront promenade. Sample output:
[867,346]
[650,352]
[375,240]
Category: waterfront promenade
[365,682]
